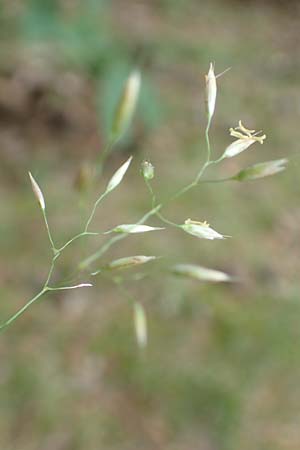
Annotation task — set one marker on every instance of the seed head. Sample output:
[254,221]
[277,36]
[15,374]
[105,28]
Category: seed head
[201,230]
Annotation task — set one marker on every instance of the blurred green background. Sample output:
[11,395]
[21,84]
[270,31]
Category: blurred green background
[221,371]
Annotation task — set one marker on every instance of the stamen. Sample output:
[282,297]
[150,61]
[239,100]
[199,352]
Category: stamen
[246,134]
[195,222]
[237,134]
[244,129]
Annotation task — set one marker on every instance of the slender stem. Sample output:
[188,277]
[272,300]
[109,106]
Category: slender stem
[158,214]
[207,140]
[216,161]
[182,191]
[193,183]
[101,251]
[217,180]
[50,271]
[23,309]
[84,233]
[99,164]
[34,299]
[148,184]
[207,163]
[49,232]
[102,196]
[165,220]
[201,172]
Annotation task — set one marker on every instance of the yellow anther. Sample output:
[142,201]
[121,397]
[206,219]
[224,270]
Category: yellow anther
[237,134]
[241,132]
[245,130]
[195,222]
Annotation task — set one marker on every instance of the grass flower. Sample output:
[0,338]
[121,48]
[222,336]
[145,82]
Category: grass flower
[140,325]
[37,192]
[245,138]
[129,261]
[126,105]
[261,170]
[118,175]
[200,273]
[133,228]
[201,230]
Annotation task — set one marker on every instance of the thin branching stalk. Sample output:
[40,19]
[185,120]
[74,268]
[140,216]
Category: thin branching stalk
[244,138]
